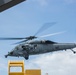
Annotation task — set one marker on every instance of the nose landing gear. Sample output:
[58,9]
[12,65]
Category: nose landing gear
[6,56]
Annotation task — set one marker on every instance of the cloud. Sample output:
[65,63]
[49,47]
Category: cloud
[57,63]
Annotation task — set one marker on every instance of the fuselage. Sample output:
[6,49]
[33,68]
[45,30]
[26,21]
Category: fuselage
[39,47]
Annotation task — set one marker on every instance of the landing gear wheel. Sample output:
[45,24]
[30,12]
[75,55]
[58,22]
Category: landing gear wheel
[74,52]
[26,58]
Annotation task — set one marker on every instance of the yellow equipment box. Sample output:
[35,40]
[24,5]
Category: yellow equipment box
[23,72]
[16,64]
[33,72]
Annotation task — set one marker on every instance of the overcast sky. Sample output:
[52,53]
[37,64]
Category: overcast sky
[26,18]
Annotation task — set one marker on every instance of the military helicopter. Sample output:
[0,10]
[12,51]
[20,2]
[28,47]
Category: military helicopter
[30,46]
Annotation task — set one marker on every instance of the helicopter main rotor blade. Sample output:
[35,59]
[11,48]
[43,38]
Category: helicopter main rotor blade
[12,38]
[44,27]
[52,34]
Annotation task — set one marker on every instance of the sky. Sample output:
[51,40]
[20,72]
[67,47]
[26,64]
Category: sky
[25,19]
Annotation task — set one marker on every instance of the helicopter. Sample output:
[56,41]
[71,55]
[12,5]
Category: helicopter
[30,46]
